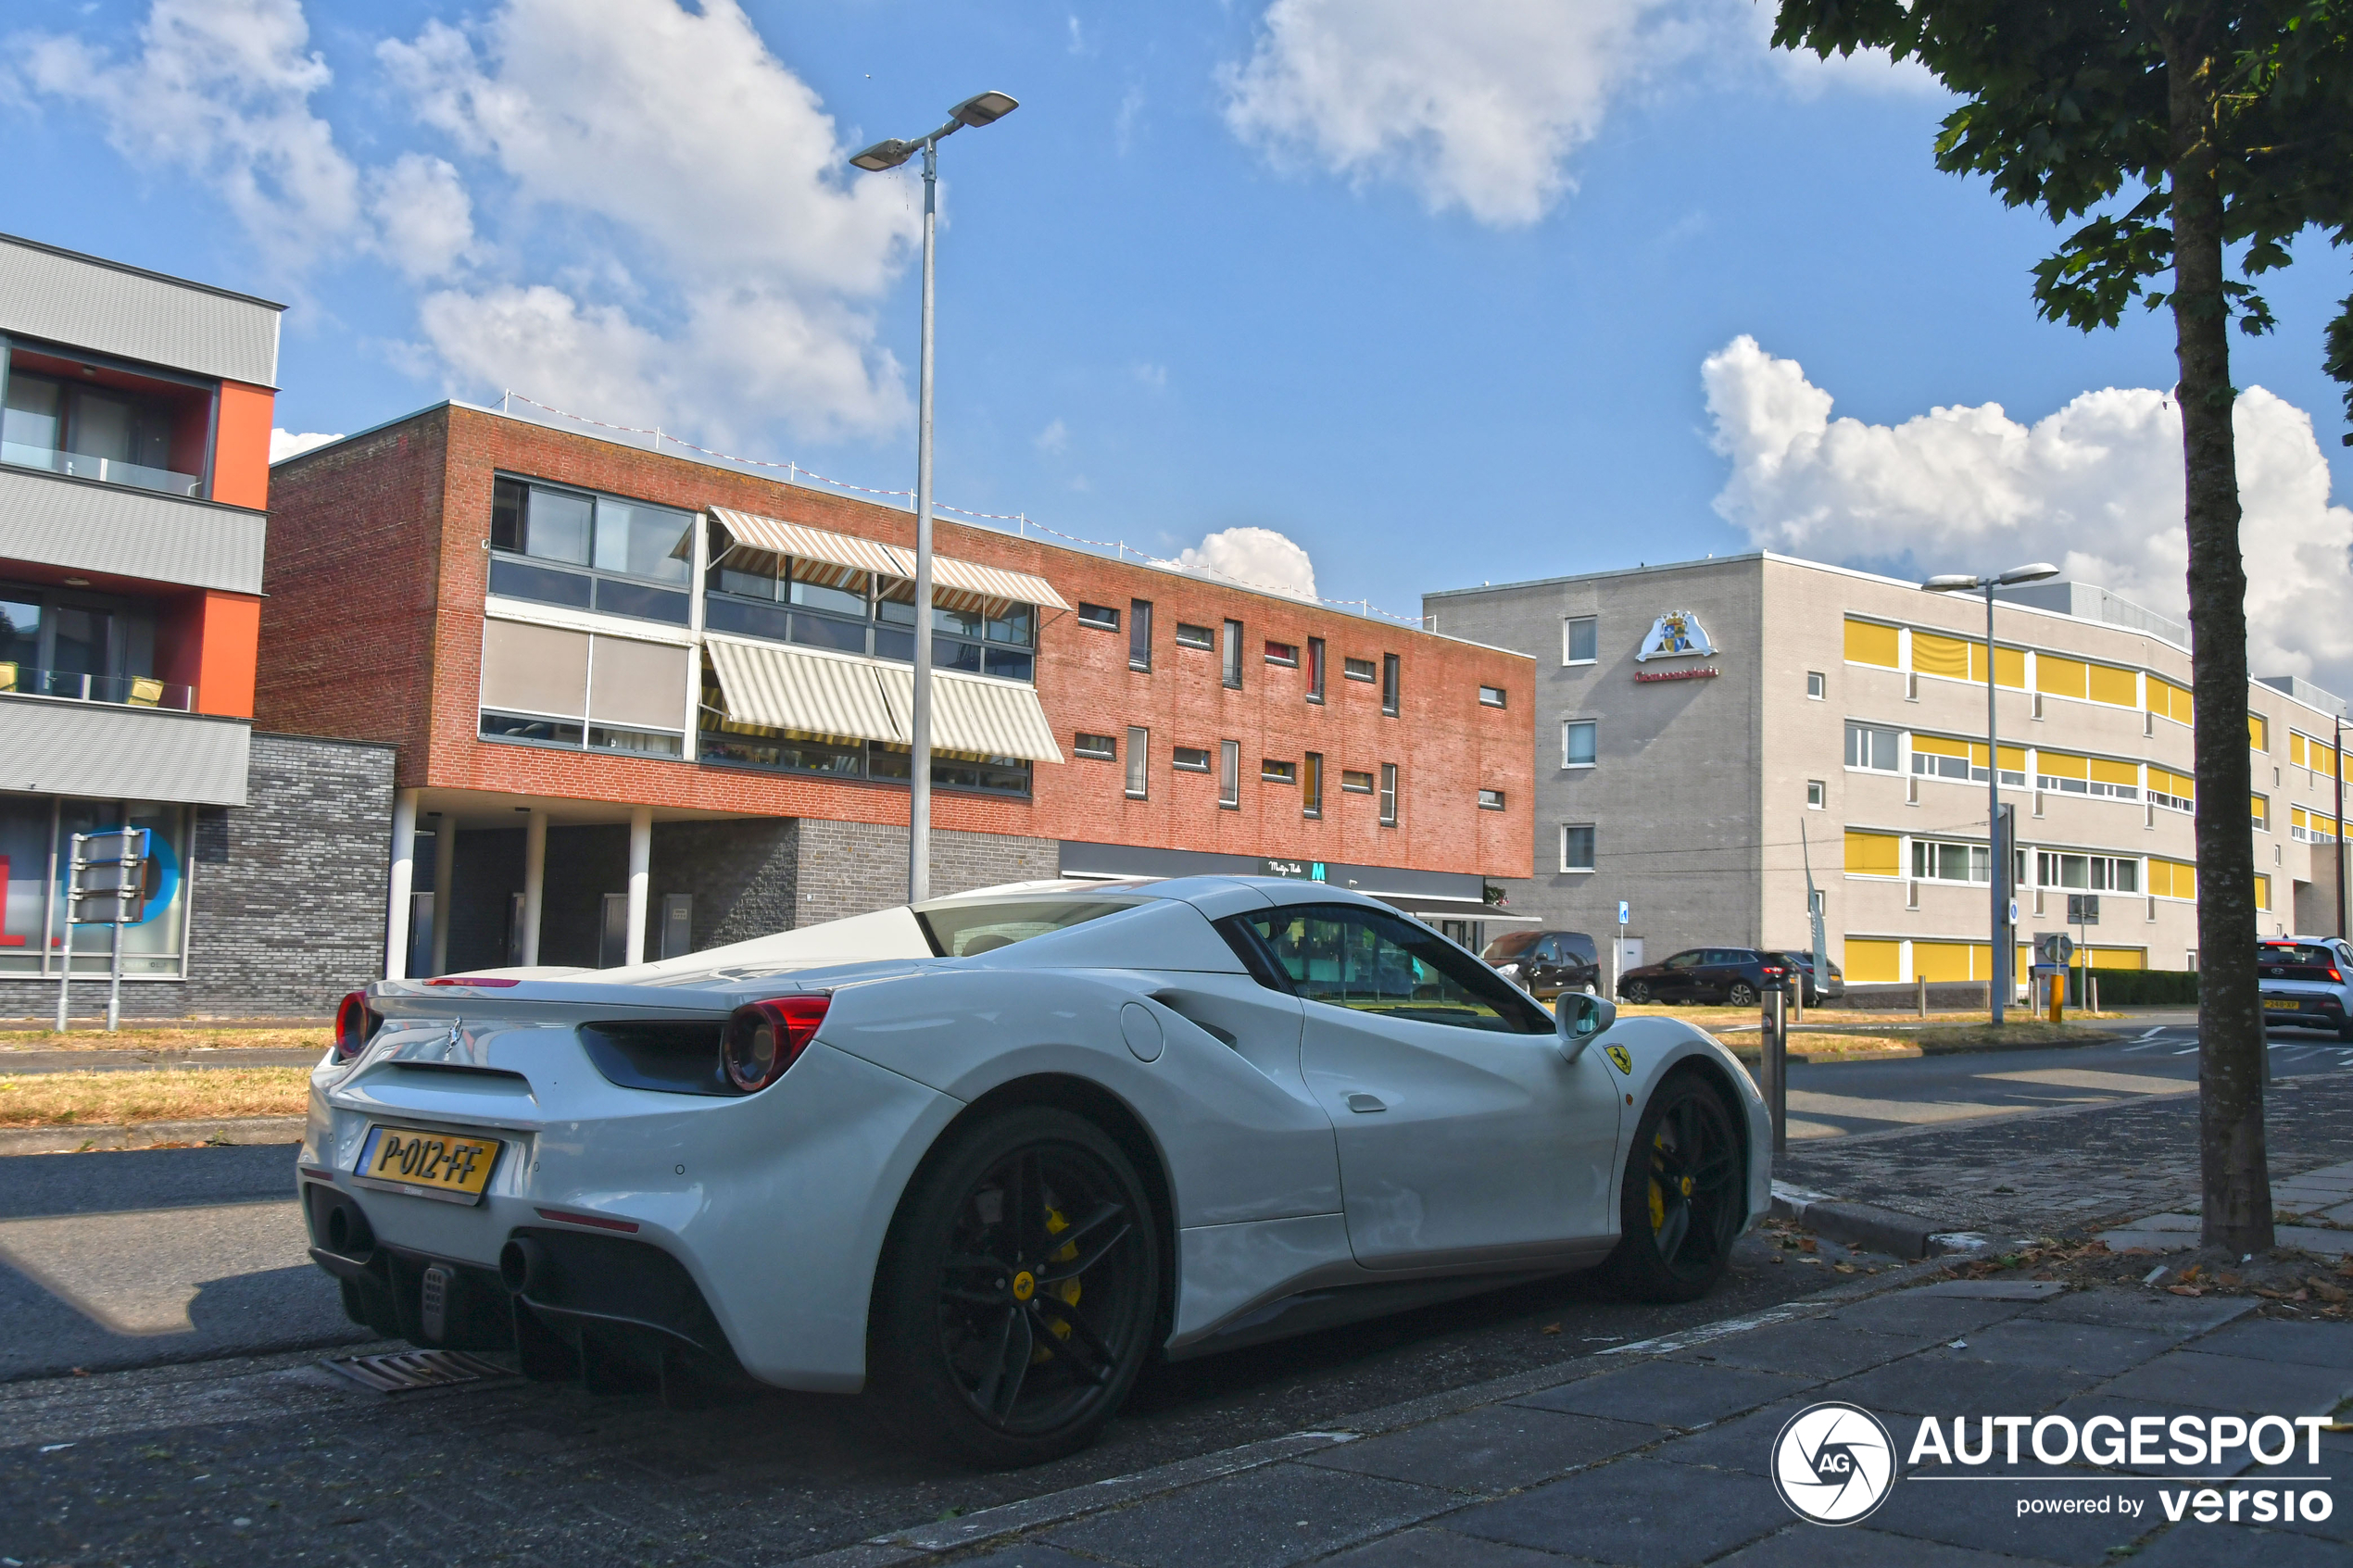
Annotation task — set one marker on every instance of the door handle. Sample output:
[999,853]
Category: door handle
[1365,1104]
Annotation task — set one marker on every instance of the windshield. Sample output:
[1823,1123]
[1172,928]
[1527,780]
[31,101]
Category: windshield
[963,931]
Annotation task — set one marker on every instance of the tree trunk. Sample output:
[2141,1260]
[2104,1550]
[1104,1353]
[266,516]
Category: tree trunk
[2236,1178]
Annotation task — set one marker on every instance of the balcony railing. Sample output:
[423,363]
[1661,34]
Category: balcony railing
[124,691]
[112,470]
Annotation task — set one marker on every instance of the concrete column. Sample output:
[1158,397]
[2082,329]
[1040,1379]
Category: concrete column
[641,859]
[534,882]
[404,877]
[445,874]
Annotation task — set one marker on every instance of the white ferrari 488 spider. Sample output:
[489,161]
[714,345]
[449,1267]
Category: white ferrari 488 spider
[983,1156]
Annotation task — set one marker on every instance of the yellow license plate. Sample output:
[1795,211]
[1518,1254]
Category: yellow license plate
[451,1166]
[2277,1005]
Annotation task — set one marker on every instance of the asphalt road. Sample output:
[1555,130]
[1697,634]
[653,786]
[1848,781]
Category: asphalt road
[1831,1099]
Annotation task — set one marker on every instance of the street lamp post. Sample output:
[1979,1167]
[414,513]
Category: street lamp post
[1998,849]
[983,108]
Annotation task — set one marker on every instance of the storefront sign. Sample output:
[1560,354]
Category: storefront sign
[1700,674]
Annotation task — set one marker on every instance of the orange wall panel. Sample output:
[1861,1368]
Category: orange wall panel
[231,647]
[241,446]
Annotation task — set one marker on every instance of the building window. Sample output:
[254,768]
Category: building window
[1229,772]
[33,936]
[751,593]
[1192,636]
[1234,653]
[1390,667]
[1352,782]
[1577,846]
[544,685]
[1814,793]
[2088,874]
[1580,639]
[590,552]
[1389,795]
[1310,785]
[1356,669]
[1490,696]
[1869,746]
[86,647]
[2258,809]
[1284,654]
[1951,863]
[1140,635]
[1103,617]
[1314,668]
[1104,748]
[1189,759]
[1139,762]
[1577,742]
[1272,771]
[1490,799]
[138,427]
[1815,685]
[1934,758]
[2262,892]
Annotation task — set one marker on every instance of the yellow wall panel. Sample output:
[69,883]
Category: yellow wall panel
[1869,643]
[2110,684]
[2259,734]
[1941,962]
[1871,961]
[1874,854]
[2262,891]
[2168,700]
[2062,765]
[2009,667]
[2013,758]
[1937,745]
[2120,957]
[2061,677]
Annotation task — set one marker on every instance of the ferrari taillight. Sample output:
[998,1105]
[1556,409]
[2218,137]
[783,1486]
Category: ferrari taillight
[354,1023]
[766,1038]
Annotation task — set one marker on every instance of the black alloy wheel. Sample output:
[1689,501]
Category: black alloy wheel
[1018,1293]
[1638,991]
[1741,994]
[1684,1198]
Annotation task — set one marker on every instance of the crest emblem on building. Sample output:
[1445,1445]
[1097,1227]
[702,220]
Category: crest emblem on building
[1676,634]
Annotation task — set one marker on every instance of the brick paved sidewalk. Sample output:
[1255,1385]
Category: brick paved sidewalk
[2070,1170]
[1663,1458]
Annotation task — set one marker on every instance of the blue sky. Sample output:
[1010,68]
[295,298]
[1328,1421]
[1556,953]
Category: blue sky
[1440,292]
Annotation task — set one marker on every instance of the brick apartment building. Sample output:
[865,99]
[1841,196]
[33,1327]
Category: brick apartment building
[135,472]
[646,704]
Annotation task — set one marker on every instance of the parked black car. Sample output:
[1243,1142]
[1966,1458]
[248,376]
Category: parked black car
[1545,963]
[1737,975]
[1816,987]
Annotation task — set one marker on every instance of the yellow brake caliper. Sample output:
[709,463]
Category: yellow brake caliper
[1658,1194]
[1067,1291]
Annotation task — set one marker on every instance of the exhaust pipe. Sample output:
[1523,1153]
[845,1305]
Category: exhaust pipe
[349,1232]
[524,1267]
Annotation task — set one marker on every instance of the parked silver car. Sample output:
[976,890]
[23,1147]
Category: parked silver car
[2304,980]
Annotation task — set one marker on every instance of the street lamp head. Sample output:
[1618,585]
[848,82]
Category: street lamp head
[888,153]
[984,109]
[2034,574]
[1952,582]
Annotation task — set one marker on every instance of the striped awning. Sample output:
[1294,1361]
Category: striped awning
[980,717]
[780,538]
[997,582]
[767,685]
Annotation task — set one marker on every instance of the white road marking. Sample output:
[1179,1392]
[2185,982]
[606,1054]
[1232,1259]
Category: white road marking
[2154,1033]
[2092,1078]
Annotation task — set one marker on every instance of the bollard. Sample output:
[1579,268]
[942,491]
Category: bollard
[1796,999]
[2091,992]
[1773,1066]
[1919,984]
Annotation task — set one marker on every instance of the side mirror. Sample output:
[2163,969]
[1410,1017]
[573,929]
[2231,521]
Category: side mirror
[1577,1019]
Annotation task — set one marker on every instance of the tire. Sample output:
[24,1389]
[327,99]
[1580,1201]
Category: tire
[971,1352]
[1741,994]
[1637,992]
[1683,1200]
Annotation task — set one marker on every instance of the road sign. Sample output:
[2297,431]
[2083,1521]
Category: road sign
[2083,909]
[2053,948]
[1624,911]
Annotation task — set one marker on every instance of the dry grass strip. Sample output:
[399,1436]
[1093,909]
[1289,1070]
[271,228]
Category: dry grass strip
[166,1039]
[75,1099]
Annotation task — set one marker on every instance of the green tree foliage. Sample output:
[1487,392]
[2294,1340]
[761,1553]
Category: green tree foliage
[2177,136]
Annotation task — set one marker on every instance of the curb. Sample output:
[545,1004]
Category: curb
[150,1135]
[1864,1224]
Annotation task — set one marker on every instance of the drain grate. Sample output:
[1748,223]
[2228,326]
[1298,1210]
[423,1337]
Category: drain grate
[411,1372]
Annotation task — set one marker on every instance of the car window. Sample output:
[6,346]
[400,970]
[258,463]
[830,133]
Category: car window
[961,931]
[1718,957]
[1368,961]
[1691,959]
[2307,955]
[1578,943]
[1546,951]
[1509,946]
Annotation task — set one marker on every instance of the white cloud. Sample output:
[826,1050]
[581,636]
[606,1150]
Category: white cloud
[1476,105]
[2095,487]
[1257,556]
[222,89]
[285,443]
[1149,374]
[712,176]
[424,218]
[1053,439]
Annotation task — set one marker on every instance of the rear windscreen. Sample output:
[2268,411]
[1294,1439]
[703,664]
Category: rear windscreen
[964,931]
[2296,961]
